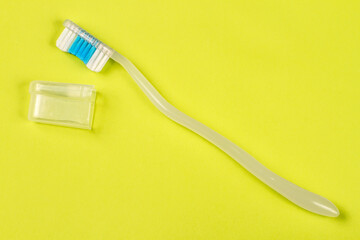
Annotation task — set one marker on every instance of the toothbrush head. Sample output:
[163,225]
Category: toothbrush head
[80,43]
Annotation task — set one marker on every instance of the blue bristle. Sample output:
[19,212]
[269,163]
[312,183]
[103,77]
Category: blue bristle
[78,45]
[89,55]
[85,52]
[75,43]
[82,49]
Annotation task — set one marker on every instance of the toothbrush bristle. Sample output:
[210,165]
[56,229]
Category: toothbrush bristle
[78,42]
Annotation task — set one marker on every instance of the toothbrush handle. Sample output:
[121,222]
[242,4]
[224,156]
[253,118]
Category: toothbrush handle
[299,196]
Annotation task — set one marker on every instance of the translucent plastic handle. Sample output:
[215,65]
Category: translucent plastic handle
[301,197]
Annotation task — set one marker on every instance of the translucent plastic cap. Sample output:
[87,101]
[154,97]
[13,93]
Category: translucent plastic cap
[64,104]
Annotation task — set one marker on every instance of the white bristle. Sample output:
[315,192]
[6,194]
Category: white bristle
[61,38]
[97,61]
[102,63]
[92,59]
[66,38]
[69,42]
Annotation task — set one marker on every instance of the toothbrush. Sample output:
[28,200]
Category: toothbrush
[95,54]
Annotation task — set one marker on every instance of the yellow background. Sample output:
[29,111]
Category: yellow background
[279,78]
